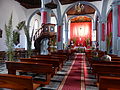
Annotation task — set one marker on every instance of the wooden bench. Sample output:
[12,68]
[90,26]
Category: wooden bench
[65,57]
[104,62]
[48,57]
[112,55]
[109,83]
[115,58]
[91,62]
[106,68]
[31,67]
[61,58]
[17,82]
[55,62]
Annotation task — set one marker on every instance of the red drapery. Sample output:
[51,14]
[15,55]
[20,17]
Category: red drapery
[59,33]
[80,32]
[103,32]
[118,20]
[109,23]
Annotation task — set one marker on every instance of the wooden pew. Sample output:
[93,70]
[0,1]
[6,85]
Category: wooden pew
[65,57]
[62,58]
[109,83]
[106,69]
[115,58]
[31,67]
[55,62]
[103,62]
[47,57]
[112,55]
[17,82]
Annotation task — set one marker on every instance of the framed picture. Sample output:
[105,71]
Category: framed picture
[0,33]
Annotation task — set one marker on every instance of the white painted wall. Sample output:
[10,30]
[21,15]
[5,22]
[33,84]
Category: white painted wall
[98,5]
[8,7]
[20,13]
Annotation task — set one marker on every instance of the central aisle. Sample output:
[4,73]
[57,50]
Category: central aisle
[75,77]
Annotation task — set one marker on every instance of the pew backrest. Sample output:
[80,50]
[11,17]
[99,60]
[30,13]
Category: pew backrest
[17,82]
[28,67]
[109,83]
[31,67]
[105,68]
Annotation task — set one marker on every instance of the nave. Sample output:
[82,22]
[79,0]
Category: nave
[74,75]
[71,71]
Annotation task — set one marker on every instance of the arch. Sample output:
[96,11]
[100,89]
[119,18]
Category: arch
[108,12]
[28,23]
[81,2]
[80,15]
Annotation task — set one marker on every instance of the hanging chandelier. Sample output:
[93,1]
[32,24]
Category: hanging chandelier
[79,8]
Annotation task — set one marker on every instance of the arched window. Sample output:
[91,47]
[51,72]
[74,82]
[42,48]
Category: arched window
[35,28]
[36,24]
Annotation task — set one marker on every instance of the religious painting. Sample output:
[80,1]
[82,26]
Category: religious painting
[0,33]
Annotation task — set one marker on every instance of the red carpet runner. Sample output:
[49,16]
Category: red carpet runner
[73,80]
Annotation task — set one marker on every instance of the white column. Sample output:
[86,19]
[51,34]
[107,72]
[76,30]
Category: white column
[114,28]
[45,12]
[99,33]
[66,31]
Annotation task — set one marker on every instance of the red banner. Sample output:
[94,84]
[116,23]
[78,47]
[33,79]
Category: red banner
[118,20]
[103,32]
[44,17]
[109,23]
[59,33]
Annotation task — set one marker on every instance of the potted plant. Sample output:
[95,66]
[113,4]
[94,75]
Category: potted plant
[9,40]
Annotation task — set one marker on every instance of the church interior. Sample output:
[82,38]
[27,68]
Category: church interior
[59,45]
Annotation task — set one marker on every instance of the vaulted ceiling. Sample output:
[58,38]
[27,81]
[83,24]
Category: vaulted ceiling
[37,3]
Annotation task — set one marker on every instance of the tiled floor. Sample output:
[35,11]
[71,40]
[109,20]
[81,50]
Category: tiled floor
[87,80]
[90,80]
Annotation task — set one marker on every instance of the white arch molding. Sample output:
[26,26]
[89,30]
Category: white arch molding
[81,2]
[36,11]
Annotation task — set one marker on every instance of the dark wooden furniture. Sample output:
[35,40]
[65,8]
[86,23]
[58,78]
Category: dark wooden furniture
[109,83]
[17,82]
[61,58]
[115,58]
[2,56]
[48,57]
[106,69]
[55,62]
[31,67]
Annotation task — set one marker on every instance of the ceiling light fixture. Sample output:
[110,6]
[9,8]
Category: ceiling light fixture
[79,8]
